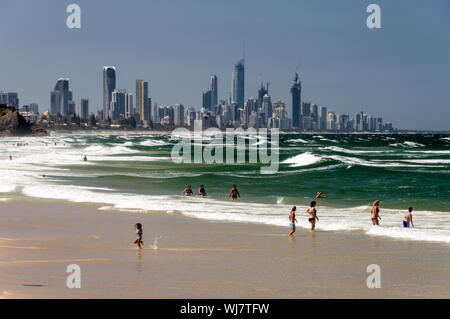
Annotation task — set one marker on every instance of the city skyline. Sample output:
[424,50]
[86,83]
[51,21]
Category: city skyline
[343,65]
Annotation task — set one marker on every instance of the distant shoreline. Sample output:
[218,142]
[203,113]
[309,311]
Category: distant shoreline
[150,132]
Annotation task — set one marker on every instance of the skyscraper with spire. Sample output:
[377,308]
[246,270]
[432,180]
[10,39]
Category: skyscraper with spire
[296,91]
[237,84]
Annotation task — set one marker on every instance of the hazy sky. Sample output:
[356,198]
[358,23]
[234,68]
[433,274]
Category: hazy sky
[400,72]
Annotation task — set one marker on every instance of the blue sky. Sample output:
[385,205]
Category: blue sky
[400,72]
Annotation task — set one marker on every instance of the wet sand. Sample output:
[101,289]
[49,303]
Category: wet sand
[200,259]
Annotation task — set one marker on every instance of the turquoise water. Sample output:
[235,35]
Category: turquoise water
[135,172]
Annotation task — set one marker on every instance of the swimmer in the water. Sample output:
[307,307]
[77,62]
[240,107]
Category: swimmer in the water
[292,220]
[188,191]
[202,191]
[234,193]
[10,157]
[320,195]
[408,220]
[312,217]
[374,213]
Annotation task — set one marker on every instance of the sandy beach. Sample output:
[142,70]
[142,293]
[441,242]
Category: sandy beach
[191,258]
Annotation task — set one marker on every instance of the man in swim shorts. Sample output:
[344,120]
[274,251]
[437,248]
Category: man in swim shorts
[408,220]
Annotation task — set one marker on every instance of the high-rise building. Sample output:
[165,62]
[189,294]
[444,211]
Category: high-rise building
[55,102]
[62,86]
[261,92]
[34,108]
[267,108]
[142,106]
[13,99]
[179,115]
[155,113]
[206,99]
[237,84]
[84,109]
[296,90]
[129,105]
[71,108]
[117,108]
[323,118]
[109,85]
[3,98]
[214,91]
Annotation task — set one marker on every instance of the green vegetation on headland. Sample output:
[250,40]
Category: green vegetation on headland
[12,123]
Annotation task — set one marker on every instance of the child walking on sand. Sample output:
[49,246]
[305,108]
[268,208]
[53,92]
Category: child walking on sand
[139,232]
[292,220]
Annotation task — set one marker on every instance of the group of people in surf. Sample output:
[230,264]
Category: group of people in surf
[375,215]
[233,194]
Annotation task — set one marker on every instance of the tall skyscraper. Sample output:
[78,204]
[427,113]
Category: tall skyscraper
[55,102]
[129,105]
[142,105]
[84,109]
[214,91]
[323,111]
[62,86]
[109,85]
[267,108]
[155,113]
[237,84]
[179,115]
[296,90]
[206,100]
[261,92]
[117,108]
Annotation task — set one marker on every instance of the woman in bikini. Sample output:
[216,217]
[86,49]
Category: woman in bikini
[292,220]
[374,213]
[312,214]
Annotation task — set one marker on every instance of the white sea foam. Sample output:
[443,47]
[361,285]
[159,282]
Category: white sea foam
[303,159]
[297,140]
[343,150]
[407,144]
[153,143]
[428,161]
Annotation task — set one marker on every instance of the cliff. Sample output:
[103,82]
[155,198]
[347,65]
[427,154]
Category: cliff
[14,124]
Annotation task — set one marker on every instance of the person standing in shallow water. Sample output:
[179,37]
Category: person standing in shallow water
[408,220]
[312,217]
[202,191]
[374,213]
[234,193]
[188,191]
[292,220]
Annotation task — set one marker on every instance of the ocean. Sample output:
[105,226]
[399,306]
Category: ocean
[135,172]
